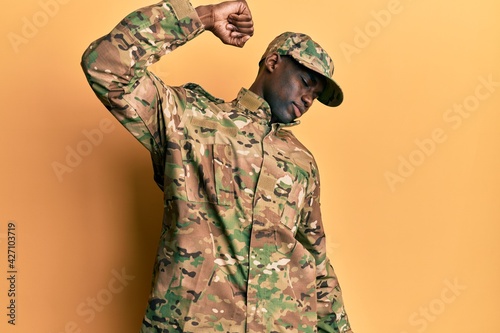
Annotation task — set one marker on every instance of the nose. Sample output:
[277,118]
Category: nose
[307,99]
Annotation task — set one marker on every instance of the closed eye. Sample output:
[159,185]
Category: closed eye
[304,81]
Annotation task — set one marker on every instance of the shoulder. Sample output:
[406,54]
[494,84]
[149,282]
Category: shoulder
[297,146]
[299,153]
[198,92]
[195,99]
[205,114]
[190,98]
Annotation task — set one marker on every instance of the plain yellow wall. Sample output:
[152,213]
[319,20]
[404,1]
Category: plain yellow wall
[410,162]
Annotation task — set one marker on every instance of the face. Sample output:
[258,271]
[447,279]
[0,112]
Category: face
[291,89]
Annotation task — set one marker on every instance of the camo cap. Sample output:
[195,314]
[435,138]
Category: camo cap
[311,55]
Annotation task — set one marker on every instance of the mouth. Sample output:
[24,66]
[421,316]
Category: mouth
[296,110]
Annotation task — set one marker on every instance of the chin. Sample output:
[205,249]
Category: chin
[282,117]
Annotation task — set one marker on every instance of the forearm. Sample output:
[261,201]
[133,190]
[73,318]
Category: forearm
[332,317]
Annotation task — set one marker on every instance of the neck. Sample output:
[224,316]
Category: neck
[256,88]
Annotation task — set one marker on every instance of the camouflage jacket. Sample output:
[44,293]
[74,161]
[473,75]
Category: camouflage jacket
[242,246]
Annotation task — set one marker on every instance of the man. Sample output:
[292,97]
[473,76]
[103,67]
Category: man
[242,247]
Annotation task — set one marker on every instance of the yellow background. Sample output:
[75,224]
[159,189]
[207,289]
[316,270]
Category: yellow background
[418,253]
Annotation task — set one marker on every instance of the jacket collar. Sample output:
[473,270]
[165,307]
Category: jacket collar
[257,107]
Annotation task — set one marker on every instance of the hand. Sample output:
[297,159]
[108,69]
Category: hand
[230,21]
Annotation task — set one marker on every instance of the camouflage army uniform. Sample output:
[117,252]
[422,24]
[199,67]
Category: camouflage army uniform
[242,246]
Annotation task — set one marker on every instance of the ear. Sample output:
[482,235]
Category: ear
[272,61]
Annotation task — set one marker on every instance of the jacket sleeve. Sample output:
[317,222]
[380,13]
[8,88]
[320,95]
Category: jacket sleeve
[332,316]
[116,64]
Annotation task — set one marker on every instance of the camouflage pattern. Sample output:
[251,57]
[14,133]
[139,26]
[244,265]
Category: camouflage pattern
[311,55]
[242,247]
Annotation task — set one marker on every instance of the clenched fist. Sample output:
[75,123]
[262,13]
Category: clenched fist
[230,21]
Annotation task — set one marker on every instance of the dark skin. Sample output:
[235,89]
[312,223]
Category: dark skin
[287,86]
[230,21]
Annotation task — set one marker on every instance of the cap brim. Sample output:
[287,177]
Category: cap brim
[332,95]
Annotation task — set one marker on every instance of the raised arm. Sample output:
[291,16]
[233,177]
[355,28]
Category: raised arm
[116,64]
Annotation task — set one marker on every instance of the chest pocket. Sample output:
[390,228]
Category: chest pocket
[208,172]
